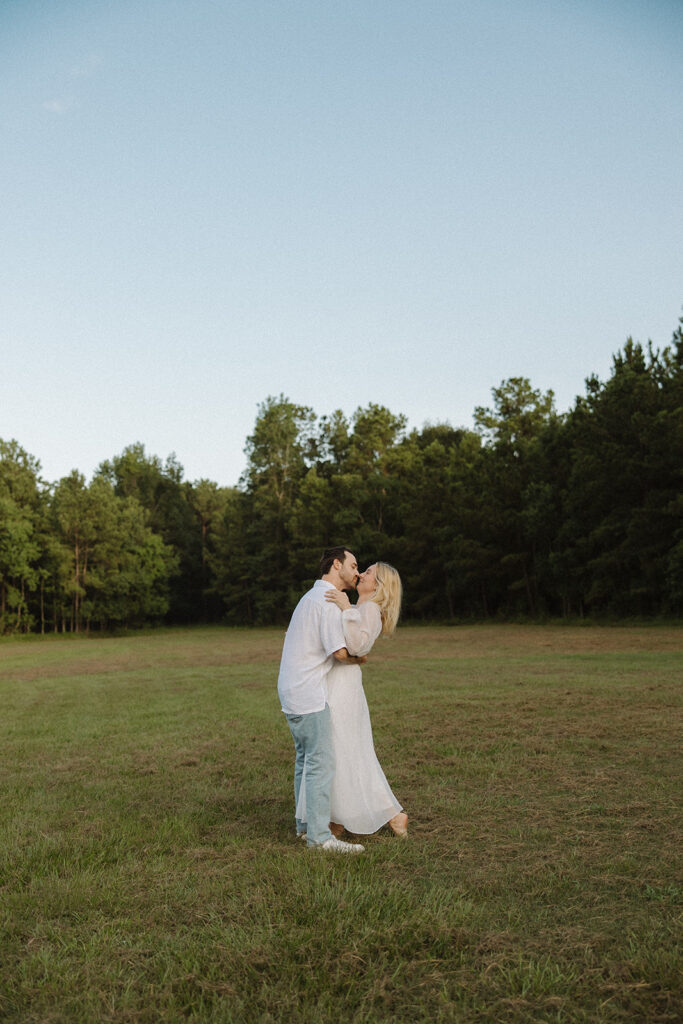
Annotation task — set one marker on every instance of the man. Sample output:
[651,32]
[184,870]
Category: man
[315,638]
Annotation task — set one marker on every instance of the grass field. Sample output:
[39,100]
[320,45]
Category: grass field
[149,870]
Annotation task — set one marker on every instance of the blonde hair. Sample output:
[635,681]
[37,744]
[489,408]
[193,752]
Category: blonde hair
[388,596]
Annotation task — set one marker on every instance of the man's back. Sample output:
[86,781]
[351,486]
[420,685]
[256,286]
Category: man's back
[314,634]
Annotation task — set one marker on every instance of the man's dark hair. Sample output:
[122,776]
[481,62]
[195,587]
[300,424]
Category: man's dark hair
[329,555]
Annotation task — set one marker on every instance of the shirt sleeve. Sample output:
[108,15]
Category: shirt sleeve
[362,626]
[331,630]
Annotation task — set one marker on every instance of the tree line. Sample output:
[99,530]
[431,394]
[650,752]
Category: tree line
[531,513]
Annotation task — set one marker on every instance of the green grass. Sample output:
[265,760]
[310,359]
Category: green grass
[149,870]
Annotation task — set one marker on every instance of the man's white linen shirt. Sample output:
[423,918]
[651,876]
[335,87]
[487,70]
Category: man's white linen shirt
[315,632]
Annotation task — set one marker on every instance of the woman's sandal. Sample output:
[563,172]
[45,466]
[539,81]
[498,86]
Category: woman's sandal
[335,829]
[399,824]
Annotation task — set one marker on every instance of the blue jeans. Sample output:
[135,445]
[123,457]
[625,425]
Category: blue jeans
[313,744]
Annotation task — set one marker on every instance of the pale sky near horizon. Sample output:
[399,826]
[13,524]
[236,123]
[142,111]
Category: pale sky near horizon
[205,203]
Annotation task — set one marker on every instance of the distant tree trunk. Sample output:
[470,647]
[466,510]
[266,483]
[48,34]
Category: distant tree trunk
[449,597]
[527,587]
[78,572]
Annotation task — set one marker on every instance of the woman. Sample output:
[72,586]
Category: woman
[362,800]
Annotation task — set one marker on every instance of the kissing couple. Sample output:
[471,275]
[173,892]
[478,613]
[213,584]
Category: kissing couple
[338,781]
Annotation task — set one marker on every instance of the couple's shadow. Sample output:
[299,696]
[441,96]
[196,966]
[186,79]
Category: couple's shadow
[262,817]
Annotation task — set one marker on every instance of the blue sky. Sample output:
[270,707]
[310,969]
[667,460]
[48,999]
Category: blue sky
[205,203]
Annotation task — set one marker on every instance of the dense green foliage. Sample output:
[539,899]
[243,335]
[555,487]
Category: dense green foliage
[531,513]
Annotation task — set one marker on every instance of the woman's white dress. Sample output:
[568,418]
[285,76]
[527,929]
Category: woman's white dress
[361,800]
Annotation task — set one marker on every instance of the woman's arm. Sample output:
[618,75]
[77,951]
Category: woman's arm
[362,625]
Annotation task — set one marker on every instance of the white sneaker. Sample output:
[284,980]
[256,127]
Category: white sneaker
[301,835]
[334,845]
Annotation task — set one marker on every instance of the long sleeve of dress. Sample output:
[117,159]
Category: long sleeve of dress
[362,625]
